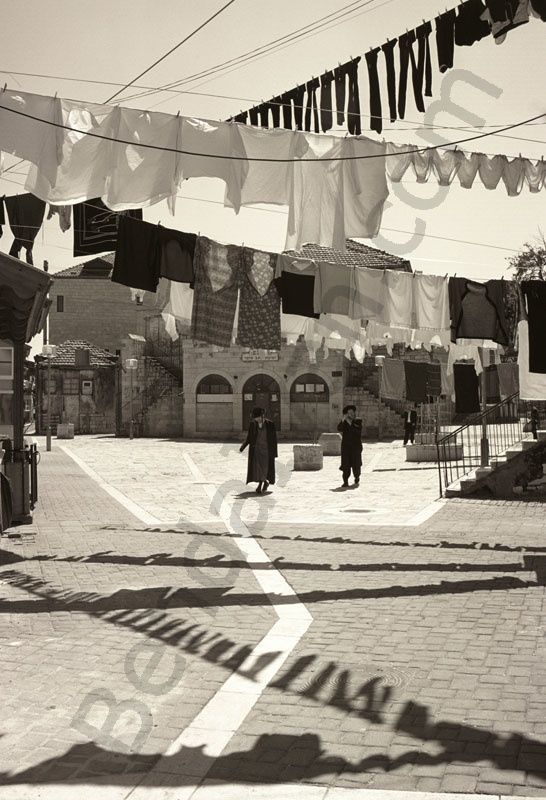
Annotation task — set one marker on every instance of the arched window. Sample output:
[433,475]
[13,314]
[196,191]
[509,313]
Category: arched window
[214,384]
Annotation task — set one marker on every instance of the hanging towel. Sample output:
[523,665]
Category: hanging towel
[297,293]
[416,381]
[393,379]
[398,296]
[467,398]
[334,288]
[431,301]
[508,378]
[96,227]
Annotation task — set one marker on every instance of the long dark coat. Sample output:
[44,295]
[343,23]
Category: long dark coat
[351,443]
[272,452]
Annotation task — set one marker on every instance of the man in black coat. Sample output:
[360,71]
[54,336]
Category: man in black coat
[410,423]
[350,428]
[261,440]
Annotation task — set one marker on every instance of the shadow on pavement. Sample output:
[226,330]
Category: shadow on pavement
[283,757]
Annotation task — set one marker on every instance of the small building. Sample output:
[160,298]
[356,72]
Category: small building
[80,386]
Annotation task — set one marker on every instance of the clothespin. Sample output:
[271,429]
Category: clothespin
[4,89]
[55,97]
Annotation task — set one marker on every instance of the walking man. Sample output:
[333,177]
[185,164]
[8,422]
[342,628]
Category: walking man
[350,428]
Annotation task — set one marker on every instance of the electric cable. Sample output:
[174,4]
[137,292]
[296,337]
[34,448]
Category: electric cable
[163,57]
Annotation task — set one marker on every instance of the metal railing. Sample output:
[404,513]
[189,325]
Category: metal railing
[487,435]
[164,384]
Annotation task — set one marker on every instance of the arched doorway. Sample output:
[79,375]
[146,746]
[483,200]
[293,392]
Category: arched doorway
[214,412]
[262,390]
[310,404]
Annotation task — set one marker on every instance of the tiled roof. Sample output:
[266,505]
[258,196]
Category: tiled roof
[356,255]
[66,354]
[100,267]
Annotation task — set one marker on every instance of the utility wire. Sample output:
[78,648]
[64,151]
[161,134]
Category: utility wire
[288,38]
[163,57]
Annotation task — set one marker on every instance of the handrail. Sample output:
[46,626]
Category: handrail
[487,434]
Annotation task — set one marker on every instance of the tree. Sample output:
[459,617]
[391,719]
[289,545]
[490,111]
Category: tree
[530,263]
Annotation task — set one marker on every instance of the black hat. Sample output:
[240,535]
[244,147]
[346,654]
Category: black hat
[349,408]
[258,412]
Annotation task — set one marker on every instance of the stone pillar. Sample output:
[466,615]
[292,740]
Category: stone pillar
[330,443]
[308,457]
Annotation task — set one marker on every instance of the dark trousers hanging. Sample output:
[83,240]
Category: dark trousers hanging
[311,107]
[346,81]
[326,116]
[388,50]
[376,112]
[405,44]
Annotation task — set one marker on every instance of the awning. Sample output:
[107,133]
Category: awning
[23,299]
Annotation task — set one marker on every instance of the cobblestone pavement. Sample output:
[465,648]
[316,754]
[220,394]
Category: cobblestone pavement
[310,642]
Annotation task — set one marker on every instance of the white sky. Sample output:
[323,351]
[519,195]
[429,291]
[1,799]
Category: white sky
[87,51]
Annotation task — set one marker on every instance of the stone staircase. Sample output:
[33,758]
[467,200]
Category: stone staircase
[367,406]
[158,409]
[508,474]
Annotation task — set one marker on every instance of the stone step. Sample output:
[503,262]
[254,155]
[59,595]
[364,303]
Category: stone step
[483,472]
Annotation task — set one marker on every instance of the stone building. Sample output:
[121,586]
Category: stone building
[80,386]
[196,390]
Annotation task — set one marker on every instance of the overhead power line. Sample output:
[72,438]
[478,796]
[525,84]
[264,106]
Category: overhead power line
[168,53]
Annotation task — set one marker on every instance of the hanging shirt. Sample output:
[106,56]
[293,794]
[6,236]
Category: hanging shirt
[431,301]
[259,324]
[365,187]
[201,140]
[265,181]
[140,175]
[84,168]
[217,277]
[135,263]
[175,252]
[477,310]
[25,136]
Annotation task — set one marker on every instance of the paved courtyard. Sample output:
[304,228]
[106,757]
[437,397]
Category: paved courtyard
[167,634]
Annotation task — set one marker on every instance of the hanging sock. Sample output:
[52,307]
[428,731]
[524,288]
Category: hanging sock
[388,50]
[311,105]
[405,43]
[376,121]
[445,39]
[326,116]
[348,74]
[294,96]
[422,68]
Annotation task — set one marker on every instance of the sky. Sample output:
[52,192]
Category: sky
[90,51]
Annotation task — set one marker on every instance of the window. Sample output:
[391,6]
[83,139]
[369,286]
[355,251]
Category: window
[214,384]
[60,302]
[309,387]
[6,370]
[71,384]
